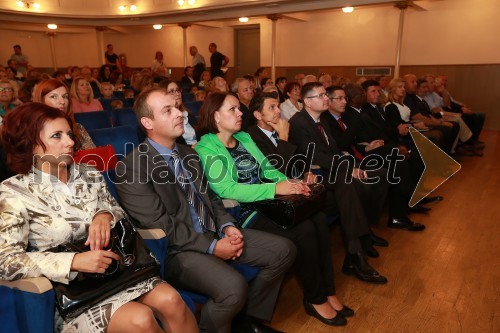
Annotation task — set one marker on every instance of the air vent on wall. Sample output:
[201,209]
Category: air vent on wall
[373,71]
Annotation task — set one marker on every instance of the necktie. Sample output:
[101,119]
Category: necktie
[380,111]
[323,134]
[204,218]
[276,137]
[356,153]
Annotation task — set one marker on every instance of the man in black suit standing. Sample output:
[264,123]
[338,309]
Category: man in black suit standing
[161,185]
[357,201]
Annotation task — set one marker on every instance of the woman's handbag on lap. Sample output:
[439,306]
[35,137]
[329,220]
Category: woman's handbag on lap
[289,210]
[137,264]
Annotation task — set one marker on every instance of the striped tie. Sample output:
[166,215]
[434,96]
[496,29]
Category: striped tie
[204,218]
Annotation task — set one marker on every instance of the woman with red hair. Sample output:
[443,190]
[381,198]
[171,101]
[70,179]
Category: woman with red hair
[54,93]
[52,202]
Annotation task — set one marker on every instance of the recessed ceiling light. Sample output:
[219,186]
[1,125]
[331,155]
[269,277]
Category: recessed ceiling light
[243,19]
[348,9]
[157,26]
[133,8]
[36,5]
[121,8]
[52,26]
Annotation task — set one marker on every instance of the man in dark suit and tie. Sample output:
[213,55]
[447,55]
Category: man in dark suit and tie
[358,201]
[400,191]
[161,185]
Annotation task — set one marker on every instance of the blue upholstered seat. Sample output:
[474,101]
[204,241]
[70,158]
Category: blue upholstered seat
[194,107]
[94,120]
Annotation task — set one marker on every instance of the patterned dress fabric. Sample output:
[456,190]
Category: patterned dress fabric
[37,213]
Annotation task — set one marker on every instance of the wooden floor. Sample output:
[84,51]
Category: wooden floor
[445,279]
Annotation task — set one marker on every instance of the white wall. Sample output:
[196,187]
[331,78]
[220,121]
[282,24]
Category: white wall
[450,32]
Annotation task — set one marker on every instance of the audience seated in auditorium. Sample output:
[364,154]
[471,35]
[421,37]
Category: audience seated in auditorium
[359,203]
[31,229]
[226,148]
[82,97]
[201,234]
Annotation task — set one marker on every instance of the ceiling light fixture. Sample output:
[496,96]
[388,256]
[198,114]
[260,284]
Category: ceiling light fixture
[183,2]
[52,26]
[28,4]
[124,8]
[157,26]
[348,9]
[243,19]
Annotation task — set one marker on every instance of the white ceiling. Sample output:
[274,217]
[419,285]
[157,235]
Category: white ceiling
[106,12]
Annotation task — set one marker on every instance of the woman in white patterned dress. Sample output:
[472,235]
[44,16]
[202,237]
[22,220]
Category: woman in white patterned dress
[53,201]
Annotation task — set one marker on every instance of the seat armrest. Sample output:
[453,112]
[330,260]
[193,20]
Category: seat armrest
[151,233]
[37,285]
[230,203]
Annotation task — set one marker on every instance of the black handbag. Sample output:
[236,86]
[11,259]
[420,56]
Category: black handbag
[137,264]
[289,210]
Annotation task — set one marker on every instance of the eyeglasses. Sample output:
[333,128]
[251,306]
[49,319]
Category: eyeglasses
[6,89]
[174,91]
[340,98]
[322,95]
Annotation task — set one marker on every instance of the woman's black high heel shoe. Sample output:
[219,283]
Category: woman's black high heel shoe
[338,320]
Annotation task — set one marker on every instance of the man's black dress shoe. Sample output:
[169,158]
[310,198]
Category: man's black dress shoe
[338,320]
[371,251]
[428,200]
[247,324]
[405,223]
[378,241]
[346,311]
[419,208]
[356,264]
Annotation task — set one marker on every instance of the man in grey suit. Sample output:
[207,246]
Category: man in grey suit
[161,185]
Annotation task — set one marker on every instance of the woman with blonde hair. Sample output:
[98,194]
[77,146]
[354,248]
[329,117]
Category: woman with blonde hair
[54,93]
[82,96]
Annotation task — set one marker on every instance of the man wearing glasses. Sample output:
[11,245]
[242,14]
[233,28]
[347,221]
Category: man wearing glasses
[355,138]
[351,196]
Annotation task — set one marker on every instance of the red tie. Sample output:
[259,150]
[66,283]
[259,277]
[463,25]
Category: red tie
[356,153]
[323,134]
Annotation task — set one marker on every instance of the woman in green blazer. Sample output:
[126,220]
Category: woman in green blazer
[237,169]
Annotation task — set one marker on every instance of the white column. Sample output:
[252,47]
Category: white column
[402,7]
[184,27]
[100,44]
[273,18]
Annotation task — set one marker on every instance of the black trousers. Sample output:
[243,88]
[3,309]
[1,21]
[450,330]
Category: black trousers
[313,263]
[360,204]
